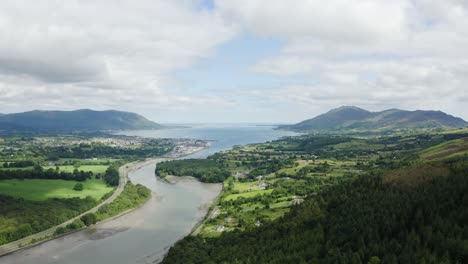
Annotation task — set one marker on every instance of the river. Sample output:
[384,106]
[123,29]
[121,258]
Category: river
[144,235]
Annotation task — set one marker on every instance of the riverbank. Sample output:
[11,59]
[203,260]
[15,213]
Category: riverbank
[145,234]
[141,236]
[50,234]
[208,215]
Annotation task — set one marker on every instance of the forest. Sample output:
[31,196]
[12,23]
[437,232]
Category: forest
[84,152]
[20,218]
[207,170]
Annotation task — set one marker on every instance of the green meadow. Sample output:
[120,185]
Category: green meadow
[41,189]
[249,194]
[71,168]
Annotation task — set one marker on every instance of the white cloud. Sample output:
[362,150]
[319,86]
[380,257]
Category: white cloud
[404,53]
[361,21]
[101,54]
[125,55]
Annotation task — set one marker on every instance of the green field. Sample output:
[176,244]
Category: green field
[243,186]
[71,168]
[452,148]
[40,189]
[247,194]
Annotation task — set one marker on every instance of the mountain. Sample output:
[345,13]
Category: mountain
[354,118]
[69,121]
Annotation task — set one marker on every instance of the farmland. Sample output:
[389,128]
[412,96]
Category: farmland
[43,189]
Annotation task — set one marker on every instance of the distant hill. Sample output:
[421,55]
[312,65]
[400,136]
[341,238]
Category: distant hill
[354,118]
[69,121]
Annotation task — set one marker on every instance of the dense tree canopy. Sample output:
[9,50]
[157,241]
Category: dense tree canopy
[206,170]
[39,173]
[18,164]
[20,218]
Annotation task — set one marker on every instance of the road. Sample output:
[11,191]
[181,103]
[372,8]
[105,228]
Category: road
[123,172]
[15,245]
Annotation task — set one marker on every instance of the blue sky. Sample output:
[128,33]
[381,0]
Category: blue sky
[227,68]
[234,60]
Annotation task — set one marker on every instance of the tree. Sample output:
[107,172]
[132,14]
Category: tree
[230,185]
[60,230]
[89,219]
[78,187]
[374,260]
[111,177]
[38,168]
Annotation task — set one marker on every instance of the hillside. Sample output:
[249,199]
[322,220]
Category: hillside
[68,121]
[365,221]
[375,200]
[354,118]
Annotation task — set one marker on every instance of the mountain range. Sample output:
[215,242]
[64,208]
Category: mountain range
[74,121]
[354,118]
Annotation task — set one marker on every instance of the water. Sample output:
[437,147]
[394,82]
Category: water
[139,237]
[223,136]
[144,235]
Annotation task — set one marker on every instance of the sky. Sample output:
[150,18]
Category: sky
[233,61]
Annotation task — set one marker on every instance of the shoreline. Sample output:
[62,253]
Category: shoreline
[197,228]
[49,233]
[46,235]
[204,210]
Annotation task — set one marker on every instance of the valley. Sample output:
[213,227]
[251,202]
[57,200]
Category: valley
[302,190]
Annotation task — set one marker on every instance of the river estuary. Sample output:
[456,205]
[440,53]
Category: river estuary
[144,235]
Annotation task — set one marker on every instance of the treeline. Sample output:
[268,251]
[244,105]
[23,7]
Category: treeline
[206,170]
[86,152]
[367,220]
[111,176]
[20,218]
[18,164]
[39,173]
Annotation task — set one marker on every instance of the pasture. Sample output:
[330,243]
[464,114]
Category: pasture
[42,189]
[70,168]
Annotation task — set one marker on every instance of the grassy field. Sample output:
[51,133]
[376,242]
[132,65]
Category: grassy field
[70,168]
[246,194]
[39,189]
[243,186]
[452,148]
